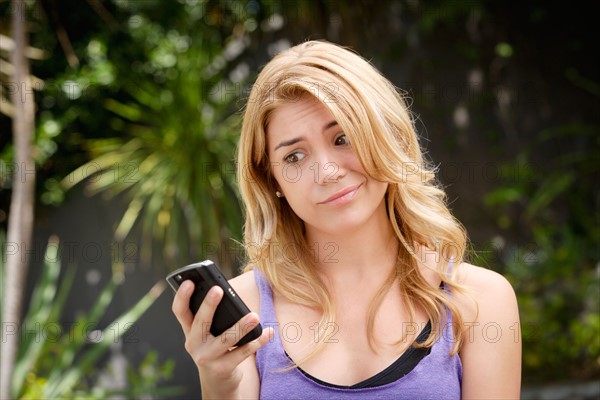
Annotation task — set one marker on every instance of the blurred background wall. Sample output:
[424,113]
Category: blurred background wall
[138,106]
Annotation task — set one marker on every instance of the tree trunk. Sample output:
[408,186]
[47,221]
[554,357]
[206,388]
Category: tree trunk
[20,219]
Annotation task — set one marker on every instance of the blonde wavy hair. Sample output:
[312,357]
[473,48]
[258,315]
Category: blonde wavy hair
[380,128]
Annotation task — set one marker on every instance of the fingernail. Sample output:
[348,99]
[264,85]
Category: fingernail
[214,292]
[250,319]
[186,286]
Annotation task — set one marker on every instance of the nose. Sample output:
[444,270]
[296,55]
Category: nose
[327,169]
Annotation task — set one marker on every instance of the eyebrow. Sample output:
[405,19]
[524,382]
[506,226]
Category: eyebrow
[295,140]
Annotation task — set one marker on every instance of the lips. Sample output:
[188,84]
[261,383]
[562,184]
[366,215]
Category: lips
[342,196]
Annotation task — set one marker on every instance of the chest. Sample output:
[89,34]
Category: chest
[345,355]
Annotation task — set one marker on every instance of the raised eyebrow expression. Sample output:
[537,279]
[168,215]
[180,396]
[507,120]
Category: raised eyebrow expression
[295,140]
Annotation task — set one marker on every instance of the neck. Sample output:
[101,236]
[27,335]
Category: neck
[370,250]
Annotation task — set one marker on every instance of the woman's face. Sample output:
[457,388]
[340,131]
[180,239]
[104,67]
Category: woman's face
[318,172]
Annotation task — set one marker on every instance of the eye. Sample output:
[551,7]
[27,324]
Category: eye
[342,140]
[294,157]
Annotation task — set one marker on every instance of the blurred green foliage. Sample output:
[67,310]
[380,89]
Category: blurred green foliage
[174,130]
[67,361]
[556,273]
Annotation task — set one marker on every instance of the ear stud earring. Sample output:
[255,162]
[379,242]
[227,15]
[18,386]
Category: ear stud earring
[278,194]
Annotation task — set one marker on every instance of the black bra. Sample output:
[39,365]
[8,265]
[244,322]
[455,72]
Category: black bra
[402,366]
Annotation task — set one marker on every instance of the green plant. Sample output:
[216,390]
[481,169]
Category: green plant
[552,259]
[64,361]
[173,130]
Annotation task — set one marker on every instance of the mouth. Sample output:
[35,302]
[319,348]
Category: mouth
[342,196]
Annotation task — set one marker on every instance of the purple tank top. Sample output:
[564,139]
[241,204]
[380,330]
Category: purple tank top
[437,376]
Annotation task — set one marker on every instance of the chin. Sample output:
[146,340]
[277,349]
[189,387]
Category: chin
[341,224]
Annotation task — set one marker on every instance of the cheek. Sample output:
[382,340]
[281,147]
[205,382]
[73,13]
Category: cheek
[351,161]
[383,187]
[288,174]
[357,166]
[378,187]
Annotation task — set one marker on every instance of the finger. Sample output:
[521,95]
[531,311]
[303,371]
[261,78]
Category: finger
[239,354]
[231,336]
[206,312]
[181,305]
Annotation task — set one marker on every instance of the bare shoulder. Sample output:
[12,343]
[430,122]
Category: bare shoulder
[245,286]
[472,275]
[491,349]
[489,293]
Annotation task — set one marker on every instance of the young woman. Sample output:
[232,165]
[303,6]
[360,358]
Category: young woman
[356,265]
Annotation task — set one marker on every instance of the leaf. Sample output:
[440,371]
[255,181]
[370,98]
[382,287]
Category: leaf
[129,112]
[551,188]
[72,375]
[37,317]
[75,356]
[503,195]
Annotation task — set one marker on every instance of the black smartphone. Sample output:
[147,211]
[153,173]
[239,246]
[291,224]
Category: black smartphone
[230,310]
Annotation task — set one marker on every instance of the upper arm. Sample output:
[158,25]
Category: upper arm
[246,288]
[491,351]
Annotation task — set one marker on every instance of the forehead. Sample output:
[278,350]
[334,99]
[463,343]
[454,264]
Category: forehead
[298,118]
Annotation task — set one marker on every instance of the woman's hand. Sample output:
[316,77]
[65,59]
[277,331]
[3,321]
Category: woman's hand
[222,368]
